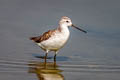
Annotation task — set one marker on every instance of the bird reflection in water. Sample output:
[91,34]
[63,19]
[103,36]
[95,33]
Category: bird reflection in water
[46,70]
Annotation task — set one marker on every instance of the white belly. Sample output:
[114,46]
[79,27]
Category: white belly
[55,42]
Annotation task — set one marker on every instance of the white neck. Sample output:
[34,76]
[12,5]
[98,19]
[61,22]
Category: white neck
[63,28]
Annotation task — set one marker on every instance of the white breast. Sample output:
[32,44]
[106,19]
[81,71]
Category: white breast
[57,41]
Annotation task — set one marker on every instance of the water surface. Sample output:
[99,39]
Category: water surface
[37,69]
[91,56]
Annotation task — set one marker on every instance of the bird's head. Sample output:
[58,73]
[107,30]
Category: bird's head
[67,22]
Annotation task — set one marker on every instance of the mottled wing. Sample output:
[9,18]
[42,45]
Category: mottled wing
[43,37]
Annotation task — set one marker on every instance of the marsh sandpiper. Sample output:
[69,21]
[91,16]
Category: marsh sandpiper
[54,40]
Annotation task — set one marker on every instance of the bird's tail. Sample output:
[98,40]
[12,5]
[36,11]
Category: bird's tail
[33,38]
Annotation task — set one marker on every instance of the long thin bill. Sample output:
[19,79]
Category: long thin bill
[79,29]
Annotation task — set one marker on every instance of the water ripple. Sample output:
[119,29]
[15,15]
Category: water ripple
[23,65]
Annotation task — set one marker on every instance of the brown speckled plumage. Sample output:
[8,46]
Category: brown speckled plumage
[43,37]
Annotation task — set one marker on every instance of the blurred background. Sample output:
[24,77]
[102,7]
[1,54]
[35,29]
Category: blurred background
[21,19]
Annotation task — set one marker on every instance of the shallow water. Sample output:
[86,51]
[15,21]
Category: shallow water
[37,69]
[91,56]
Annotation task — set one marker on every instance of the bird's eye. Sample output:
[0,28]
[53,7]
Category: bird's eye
[67,21]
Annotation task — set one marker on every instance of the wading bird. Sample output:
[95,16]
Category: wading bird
[54,40]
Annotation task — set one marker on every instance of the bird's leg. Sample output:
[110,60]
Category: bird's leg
[55,56]
[46,56]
